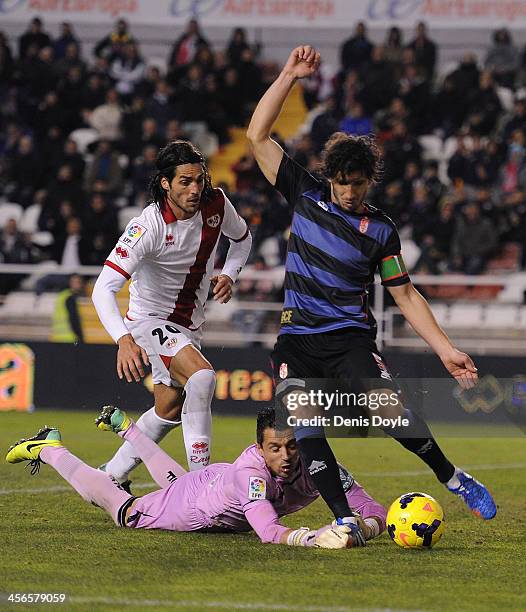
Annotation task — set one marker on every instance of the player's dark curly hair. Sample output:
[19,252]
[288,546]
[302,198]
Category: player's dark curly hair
[266,419]
[343,154]
[176,153]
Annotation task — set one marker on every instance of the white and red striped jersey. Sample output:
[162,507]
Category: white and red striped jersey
[170,262]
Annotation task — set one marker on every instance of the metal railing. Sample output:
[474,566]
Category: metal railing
[512,288]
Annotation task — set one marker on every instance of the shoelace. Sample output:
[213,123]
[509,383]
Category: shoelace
[35,466]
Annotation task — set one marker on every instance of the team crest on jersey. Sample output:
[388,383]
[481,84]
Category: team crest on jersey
[122,253]
[364,224]
[214,220]
[133,234]
[283,370]
[169,240]
[257,488]
[384,372]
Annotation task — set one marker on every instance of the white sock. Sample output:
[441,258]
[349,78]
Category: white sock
[125,459]
[197,419]
[454,482]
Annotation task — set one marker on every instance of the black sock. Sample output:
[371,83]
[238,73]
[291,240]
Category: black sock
[320,463]
[424,445]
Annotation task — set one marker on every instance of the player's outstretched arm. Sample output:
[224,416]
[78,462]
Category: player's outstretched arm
[416,310]
[303,61]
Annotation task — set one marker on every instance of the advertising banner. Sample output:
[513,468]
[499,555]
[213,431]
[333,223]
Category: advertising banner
[275,13]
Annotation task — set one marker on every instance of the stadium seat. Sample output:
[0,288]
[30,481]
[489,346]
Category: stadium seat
[501,316]
[83,137]
[10,210]
[441,312]
[466,315]
[42,239]
[432,147]
[29,221]
[506,97]
[127,214]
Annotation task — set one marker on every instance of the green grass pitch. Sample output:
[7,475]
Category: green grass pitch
[51,541]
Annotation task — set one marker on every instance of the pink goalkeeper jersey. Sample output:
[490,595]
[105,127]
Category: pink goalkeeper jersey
[170,261]
[237,496]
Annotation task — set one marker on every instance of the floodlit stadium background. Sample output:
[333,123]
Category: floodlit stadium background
[428,185]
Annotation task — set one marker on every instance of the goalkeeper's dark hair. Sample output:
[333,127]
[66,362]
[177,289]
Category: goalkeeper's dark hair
[343,154]
[176,153]
[266,419]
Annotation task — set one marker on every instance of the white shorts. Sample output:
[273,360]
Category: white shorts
[161,338]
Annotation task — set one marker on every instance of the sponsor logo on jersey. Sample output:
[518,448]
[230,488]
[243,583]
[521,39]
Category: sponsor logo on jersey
[257,488]
[286,317]
[214,220]
[171,343]
[323,205]
[200,447]
[384,372]
[169,240]
[317,466]
[283,370]
[122,253]
[364,224]
[133,234]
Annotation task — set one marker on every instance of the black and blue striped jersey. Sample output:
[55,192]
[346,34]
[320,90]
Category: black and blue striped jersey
[332,257]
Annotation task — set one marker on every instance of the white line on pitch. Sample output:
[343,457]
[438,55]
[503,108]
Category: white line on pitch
[230,605]
[148,485]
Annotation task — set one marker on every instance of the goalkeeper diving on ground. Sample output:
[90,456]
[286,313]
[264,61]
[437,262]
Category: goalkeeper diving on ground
[267,481]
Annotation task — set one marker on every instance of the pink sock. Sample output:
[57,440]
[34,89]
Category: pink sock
[163,469]
[92,485]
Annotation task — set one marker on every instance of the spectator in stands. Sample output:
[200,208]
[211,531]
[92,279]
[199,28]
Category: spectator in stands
[325,124]
[379,82]
[26,172]
[503,58]
[71,59]
[514,120]
[15,248]
[356,122]
[484,106]
[435,244]
[106,118]
[71,157]
[466,76]
[513,172]
[393,50]
[94,92]
[67,326]
[386,118]
[7,66]
[251,77]
[414,91]
[398,151]
[63,186]
[425,51]
[356,51]
[232,97]
[127,70]
[185,48]
[459,163]
[236,46]
[70,90]
[66,37]
[149,135]
[112,46]
[450,108]
[33,36]
[104,173]
[474,241]
[160,106]
[72,249]
[216,117]
[51,149]
[190,95]
[142,169]
[101,229]
[434,185]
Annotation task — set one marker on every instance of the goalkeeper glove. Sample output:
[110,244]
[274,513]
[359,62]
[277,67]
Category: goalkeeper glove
[330,536]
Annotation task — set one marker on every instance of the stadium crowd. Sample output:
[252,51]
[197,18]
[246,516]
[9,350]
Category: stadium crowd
[79,136]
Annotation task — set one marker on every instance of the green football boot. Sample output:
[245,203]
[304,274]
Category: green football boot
[112,419]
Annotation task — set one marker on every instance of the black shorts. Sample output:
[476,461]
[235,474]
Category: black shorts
[345,355]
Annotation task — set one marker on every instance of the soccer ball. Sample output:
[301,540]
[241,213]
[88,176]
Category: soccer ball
[415,520]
